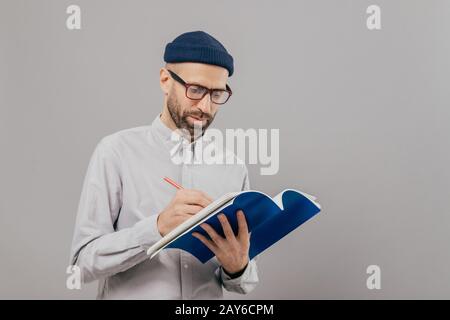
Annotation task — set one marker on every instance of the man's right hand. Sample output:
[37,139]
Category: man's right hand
[184,205]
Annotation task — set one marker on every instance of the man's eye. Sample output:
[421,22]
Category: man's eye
[196,90]
[217,94]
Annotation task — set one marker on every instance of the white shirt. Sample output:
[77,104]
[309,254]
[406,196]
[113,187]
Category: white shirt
[123,193]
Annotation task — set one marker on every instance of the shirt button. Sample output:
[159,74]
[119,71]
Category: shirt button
[186,266]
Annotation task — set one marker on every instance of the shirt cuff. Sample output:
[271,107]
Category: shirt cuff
[244,283]
[146,231]
[236,274]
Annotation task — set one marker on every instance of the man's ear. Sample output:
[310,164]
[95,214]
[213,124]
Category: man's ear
[164,80]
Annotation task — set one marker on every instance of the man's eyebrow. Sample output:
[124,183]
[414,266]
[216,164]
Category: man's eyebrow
[201,85]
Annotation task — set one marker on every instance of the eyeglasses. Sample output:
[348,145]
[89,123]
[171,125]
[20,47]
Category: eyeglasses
[197,92]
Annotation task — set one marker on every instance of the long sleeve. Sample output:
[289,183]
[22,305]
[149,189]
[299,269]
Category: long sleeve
[243,284]
[97,248]
[248,280]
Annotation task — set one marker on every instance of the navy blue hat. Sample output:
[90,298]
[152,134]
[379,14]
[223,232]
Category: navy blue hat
[198,46]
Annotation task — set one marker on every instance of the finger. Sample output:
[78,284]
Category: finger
[192,209]
[242,223]
[201,194]
[204,195]
[195,197]
[208,197]
[181,195]
[205,241]
[218,240]
[227,230]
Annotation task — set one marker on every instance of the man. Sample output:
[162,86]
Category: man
[126,207]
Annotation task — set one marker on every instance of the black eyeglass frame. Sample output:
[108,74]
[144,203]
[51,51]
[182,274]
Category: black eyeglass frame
[207,90]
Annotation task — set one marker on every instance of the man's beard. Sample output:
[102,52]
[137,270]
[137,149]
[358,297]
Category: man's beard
[180,118]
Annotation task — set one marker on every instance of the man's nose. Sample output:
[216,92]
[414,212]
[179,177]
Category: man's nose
[205,104]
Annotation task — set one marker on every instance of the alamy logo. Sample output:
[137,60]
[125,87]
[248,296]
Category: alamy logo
[374,280]
[74,279]
[73,21]
[373,21]
[215,148]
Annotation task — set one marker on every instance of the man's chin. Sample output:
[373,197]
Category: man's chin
[196,122]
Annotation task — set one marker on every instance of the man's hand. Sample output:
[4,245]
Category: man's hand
[231,251]
[184,205]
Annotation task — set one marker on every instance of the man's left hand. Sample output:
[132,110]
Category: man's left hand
[231,251]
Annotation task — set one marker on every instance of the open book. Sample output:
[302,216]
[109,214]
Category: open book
[268,220]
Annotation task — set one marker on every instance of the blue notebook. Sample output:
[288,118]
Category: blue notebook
[268,219]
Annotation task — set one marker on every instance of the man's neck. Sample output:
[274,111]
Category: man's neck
[167,120]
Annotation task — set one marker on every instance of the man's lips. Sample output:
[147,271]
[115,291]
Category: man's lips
[197,118]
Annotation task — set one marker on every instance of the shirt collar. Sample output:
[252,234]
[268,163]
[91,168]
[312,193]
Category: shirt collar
[171,138]
[161,130]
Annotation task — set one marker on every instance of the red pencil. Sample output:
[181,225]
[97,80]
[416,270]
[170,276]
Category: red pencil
[176,185]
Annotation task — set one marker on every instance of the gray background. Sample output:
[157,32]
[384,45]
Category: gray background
[363,116]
